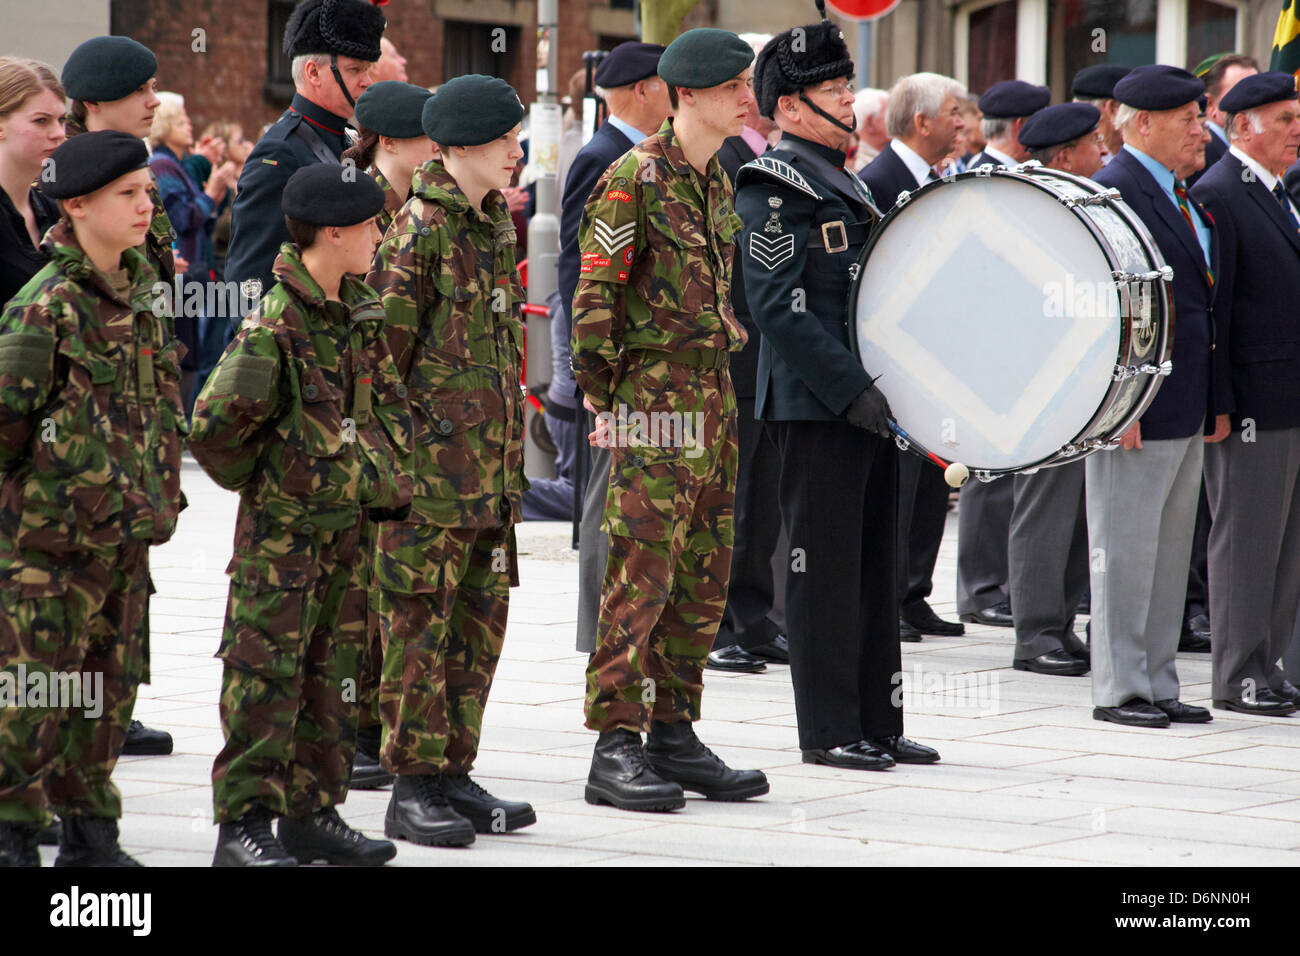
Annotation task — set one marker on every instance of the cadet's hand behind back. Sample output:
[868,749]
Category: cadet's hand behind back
[871,411]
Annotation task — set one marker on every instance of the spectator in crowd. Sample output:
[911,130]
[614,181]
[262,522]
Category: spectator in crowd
[968,108]
[869,120]
[391,65]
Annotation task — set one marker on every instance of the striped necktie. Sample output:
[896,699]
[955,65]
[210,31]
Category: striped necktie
[1280,195]
[1180,191]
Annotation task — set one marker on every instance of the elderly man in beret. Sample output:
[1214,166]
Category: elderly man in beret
[1141,497]
[81,511]
[652,330]
[1253,478]
[332,44]
[1095,85]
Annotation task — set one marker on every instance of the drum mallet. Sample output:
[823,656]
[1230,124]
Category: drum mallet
[954,473]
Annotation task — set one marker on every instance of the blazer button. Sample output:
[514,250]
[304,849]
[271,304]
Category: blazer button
[401,391]
[308,528]
[70,514]
[445,426]
[310,393]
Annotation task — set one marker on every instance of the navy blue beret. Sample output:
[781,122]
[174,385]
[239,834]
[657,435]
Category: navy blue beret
[704,57]
[471,110]
[392,108]
[323,194]
[1012,98]
[1059,124]
[1158,87]
[1097,82]
[1252,91]
[627,63]
[91,161]
[104,69]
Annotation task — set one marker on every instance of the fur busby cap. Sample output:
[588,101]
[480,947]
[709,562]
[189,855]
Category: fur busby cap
[798,58]
[341,27]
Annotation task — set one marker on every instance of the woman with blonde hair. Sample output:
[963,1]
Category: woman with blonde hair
[31,126]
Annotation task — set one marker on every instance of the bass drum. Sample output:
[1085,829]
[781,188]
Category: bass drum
[1015,318]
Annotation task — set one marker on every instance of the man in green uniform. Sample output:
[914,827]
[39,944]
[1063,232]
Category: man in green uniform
[447,277]
[90,448]
[653,326]
[304,416]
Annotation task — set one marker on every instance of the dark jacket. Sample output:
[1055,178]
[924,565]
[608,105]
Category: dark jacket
[19,258]
[887,176]
[733,154]
[606,146]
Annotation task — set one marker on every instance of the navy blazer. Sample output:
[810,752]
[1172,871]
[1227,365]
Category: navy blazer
[1258,316]
[606,146]
[1188,399]
[1215,150]
[887,176]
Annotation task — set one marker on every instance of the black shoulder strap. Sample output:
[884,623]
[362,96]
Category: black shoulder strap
[317,145]
[842,181]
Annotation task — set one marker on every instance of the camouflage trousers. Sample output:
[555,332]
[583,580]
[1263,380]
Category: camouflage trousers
[669,517]
[372,664]
[444,594]
[85,620]
[293,645]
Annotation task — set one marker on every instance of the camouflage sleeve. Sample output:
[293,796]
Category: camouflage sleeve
[394,409]
[239,397]
[28,340]
[397,275]
[608,238]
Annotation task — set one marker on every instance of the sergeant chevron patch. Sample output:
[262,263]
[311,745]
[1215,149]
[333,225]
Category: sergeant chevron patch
[770,253]
[610,237]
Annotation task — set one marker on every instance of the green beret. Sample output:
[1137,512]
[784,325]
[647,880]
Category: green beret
[704,57]
[323,195]
[471,110]
[104,69]
[392,108]
[93,160]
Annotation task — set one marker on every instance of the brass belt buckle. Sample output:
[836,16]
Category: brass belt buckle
[843,242]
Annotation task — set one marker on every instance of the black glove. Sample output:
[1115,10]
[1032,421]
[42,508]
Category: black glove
[389,514]
[870,411]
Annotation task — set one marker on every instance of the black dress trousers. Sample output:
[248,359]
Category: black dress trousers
[922,513]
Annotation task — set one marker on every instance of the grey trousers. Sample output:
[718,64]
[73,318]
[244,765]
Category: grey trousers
[983,521]
[1254,557]
[1141,518]
[593,547]
[1047,559]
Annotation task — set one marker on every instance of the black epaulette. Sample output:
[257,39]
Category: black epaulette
[771,168]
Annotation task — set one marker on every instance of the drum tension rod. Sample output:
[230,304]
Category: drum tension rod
[1094,199]
[1163,274]
[1123,372]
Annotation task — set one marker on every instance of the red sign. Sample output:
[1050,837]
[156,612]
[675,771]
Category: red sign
[863,9]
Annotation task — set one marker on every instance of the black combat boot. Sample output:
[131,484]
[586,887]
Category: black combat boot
[620,776]
[249,841]
[146,741]
[367,772]
[674,752]
[90,841]
[420,812]
[489,814]
[324,836]
[18,844]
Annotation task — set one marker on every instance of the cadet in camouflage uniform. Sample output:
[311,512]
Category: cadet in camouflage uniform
[392,142]
[90,445]
[111,81]
[652,330]
[447,277]
[304,415]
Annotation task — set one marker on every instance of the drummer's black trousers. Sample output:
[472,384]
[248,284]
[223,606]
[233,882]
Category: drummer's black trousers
[838,487]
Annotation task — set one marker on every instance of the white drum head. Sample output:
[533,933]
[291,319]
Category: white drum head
[988,310]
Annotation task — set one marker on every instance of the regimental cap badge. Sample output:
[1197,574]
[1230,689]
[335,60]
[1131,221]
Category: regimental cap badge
[775,201]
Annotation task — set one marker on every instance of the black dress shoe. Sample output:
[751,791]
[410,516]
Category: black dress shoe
[999,615]
[733,657]
[904,750]
[1288,691]
[777,650]
[1265,704]
[420,812]
[146,741]
[621,776]
[1133,713]
[90,841]
[1181,713]
[1195,637]
[367,772]
[249,841]
[674,753]
[859,755]
[1059,663]
[489,814]
[922,617]
[325,836]
[18,844]
[907,633]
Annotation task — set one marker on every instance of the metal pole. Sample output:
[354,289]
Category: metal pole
[863,66]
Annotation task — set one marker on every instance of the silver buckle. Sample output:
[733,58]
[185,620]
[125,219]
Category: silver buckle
[826,236]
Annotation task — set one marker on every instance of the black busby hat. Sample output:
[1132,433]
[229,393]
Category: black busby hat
[798,58]
[340,27]
[91,161]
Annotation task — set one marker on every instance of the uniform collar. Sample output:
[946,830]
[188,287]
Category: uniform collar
[289,269]
[319,117]
[835,157]
[1266,179]
[60,245]
[676,156]
[432,182]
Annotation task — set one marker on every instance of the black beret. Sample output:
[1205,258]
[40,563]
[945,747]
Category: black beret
[704,57]
[1097,82]
[1012,98]
[323,194]
[91,161]
[1059,124]
[798,58]
[627,63]
[1158,87]
[392,108]
[342,27]
[1258,89]
[104,69]
[471,110]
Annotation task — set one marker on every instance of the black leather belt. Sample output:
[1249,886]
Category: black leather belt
[837,235]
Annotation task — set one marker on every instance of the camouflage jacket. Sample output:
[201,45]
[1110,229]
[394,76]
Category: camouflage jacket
[656,242]
[446,275]
[304,414]
[392,202]
[91,420]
